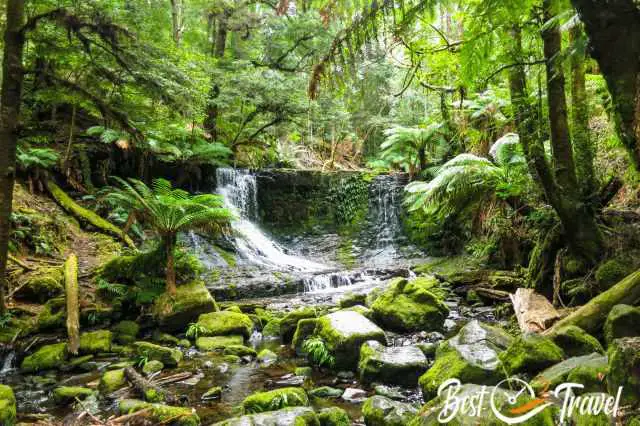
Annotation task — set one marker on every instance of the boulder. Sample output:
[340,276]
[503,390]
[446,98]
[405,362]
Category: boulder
[624,369]
[225,323]
[111,381]
[298,416]
[213,393]
[289,322]
[7,406]
[558,373]
[592,377]
[46,358]
[218,342]
[381,411]
[471,356]
[574,341]
[42,285]
[152,367]
[531,353]
[275,400]
[344,332]
[125,332]
[306,327]
[334,416]
[66,394]
[267,356]
[164,338]
[354,395]
[191,300]
[402,365]
[579,418]
[326,392]
[610,272]
[622,321]
[95,342]
[160,413]
[352,299]
[239,350]
[407,306]
[272,328]
[168,356]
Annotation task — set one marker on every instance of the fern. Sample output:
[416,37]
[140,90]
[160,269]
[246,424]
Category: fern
[195,330]
[318,353]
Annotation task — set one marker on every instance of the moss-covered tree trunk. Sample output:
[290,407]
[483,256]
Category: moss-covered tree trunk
[10,99]
[169,242]
[73,308]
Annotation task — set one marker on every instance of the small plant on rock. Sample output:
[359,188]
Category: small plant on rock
[317,352]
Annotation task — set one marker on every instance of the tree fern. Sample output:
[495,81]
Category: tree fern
[411,148]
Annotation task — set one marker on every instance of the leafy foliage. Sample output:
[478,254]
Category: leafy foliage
[318,353]
[410,149]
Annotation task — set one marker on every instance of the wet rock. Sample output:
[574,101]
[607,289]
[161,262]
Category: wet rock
[95,342]
[191,300]
[152,367]
[46,358]
[471,356]
[622,321]
[168,356]
[397,365]
[184,343]
[164,338]
[42,285]
[218,342]
[239,350]
[275,400]
[111,381]
[160,413]
[125,332]
[226,323]
[326,392]
[624,369]
[352,299]
[558,373]
[289,323]
[388,392]
[306,327]
[7,406]
[333,416]
[344,332]
[592,377]
[381,411]
[362,310]
[411,305]
[272,328]
[298,416]
[65,394]
[289,380]
[267,357]
[304,371]
[213,393]
[354,395]
[574,341]
[531,353]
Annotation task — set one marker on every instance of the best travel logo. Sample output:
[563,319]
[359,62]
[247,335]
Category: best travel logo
[506,401]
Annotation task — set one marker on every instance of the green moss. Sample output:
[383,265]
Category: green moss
[52,315]
[95,342]
[610,272]
[272,328]
[218,342]
[239,350]
[152,366]
[226,323]
[111,381]
[164,338]
[275,400]
[334,416]
[190,301]
[592,377]
[266,356]
[352,299]
[160,413]
[624,369]
[227,256]
[326,392]
[558,373]
[588,419]
[168,356]
[381,411]
[289,323]
[622,321]
[42,285]
[66,394]
[306,327]
[574,341]
[126,332]
[45,358]
[531,354]
[7,406]
[213,393]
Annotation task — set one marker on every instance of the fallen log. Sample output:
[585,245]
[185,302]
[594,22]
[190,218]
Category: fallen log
[73,308]
[533,311]
[19,262]
[591,317]
[489,293]
[149,391]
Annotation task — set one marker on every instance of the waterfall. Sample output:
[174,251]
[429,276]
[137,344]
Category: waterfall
[7,364]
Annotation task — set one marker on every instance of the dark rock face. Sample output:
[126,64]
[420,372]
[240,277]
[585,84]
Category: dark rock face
[401,365]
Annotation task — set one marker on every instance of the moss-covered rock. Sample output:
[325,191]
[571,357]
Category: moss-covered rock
[344,332]
[267,356]
[579,418]
[289,322]
[66,394]
[152,366]
[111,381]
[334,416]
[160,413]
[168,356]
[272,328]
[352,299]
[239,350]
[558,373]
[95,342]
[7,406]
[306,327]
[472,356]
[411,305]
[303,371]
[610,272]
[164,338]
[218,342]
[42,285]
[294,416]
[125,332]
[624,369]
[212,393]
[46,358]
[225,323]
[275,400]
[622,321]
[326,392]
[531,353]
[52,316]
[400,365]
[381,411]
[190,301]
[592,377]
[574,341]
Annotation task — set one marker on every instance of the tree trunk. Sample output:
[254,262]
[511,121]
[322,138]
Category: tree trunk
[210,122]
[71,291]
[170,246]
[10,99]
[614,36]
[177,20]
[149,391]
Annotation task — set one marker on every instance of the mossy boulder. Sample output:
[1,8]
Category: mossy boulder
[111,381]
[53,315]
[574,341]
[326,392]
[624,369]
[225,323]
[352,299]
[46,358]
[294,416]
[218,342]
[7,406]
[592,377]
[191,300]
[306,327]
[334,416]
[212,393]
[344,332]
[160,413]
[400,365]
[267,356]
[125,332]
[578,418]
[411,305]
[239,350]
[164,338]
[152,367]
[531,354]
[622,321]
[168,356]
[381,411]
[275,400]
[558,373]
[612,271]
[42,285]
[303,371]
[272,328]
[95,342]
[472,356]
[67,394]
[289,322]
